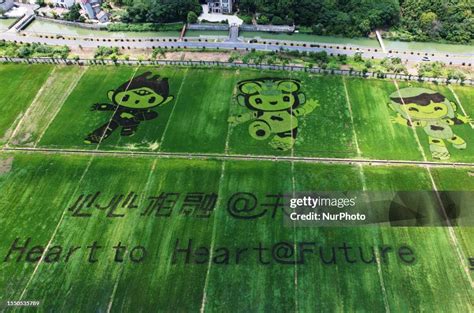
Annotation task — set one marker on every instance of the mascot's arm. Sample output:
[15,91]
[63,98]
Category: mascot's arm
[242,118]
[403,121]
[145,116]
[459,119]
[103,107]
[307,108]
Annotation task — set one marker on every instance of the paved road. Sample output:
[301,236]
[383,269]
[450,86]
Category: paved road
[233,34]
[238,157]
[457,59]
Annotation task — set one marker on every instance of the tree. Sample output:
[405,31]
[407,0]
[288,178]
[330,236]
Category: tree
[192,17]
[263,19]
[74,13]
[160,11]
[358,57]
[276,20]
[427,19]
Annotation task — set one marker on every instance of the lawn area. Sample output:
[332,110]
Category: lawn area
[361,42]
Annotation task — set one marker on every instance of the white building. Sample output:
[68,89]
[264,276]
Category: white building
[6,5]
[220,6]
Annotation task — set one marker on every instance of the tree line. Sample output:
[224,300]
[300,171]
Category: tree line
[423,20]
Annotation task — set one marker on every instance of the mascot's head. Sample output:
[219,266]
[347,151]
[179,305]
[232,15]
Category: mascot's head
[142,92]
[270,94]
[421,104]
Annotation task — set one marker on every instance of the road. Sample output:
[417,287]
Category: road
[142,43]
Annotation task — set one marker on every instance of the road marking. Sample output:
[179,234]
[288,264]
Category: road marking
[460,105]
[62,100]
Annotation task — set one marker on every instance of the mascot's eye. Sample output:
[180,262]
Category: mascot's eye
[125,98]
[286,98]
[438,108]
[258,101]
[151,100]
[413,109]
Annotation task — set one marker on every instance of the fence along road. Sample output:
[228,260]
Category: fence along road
[268,45]
[295,68]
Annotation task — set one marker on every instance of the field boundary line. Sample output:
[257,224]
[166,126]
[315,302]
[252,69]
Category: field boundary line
[114,290]
[364,188]
[119,276]
[178,96]
[460,105]
[417,138]
[452,234]
[213,237]
[214,227]
[354,134]
[116,108]
[239,157]
[229,114]
[382,282]
[63,100]
[35,99]
[293,189]
[56,229]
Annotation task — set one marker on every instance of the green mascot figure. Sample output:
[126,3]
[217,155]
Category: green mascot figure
[421,107]
[131,104]
[275,105]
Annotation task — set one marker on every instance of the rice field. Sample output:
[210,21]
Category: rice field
[156,216]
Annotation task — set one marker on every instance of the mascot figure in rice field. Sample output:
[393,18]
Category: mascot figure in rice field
[274,105]
[131,104]
[420,107]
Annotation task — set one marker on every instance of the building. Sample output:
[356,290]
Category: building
[102,16]
[220,6]
[94,11]
[6,5]
[62,3]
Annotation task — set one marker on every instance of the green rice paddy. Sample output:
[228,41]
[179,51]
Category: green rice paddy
[231,267]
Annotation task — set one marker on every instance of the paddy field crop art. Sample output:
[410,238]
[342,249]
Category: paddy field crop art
[123,189]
